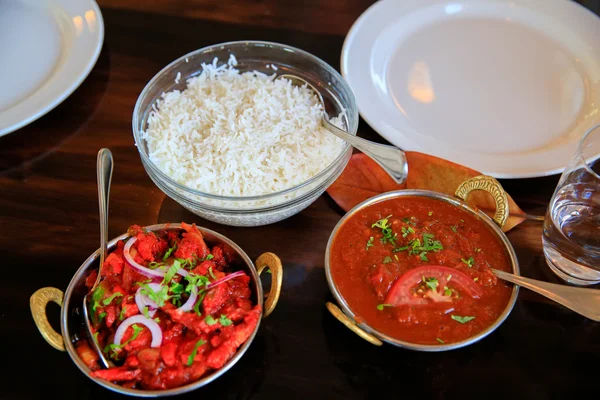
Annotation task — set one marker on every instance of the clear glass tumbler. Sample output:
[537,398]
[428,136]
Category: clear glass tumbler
[572,225]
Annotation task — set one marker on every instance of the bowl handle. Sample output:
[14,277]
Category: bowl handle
[38,302]
[273,264]
[493,187]
[350,324]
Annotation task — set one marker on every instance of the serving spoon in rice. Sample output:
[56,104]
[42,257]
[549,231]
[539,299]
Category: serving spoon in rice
[390,158]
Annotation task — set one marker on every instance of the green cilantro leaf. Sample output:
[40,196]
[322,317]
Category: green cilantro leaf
[169,252]
[97,296]
[210,320]
[453,228]
[430,213]
[122,313]
[209,257]
[380,307]
[172,271]
[462,320]
[225,321]
[470,261]
[387,260]
[210,271]
[423,256]
[432,283]
[145,312]
[108,300]
[370,242]
[190,360]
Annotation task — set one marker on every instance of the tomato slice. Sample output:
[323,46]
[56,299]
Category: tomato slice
[400,293]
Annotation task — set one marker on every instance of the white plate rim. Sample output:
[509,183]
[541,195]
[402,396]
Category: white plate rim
[66,88]
[381,130]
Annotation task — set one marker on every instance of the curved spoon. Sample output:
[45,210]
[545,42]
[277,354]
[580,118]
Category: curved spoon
[390,158]
[581,300]
[104,169]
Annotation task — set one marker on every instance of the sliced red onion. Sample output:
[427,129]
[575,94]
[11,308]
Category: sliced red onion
[143,301]
[225,279]
[147,322]
[150,273]
[155,274]
[191,301]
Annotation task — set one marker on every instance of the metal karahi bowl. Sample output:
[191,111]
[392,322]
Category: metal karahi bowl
[488,184]
[71,301]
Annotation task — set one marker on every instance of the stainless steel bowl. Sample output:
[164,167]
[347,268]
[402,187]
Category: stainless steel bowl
[71,316]
[347,317]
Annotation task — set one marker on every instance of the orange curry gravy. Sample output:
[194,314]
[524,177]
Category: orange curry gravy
[422,274]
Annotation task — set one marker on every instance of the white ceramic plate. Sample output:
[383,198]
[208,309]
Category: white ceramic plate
[47,48]
[506,87]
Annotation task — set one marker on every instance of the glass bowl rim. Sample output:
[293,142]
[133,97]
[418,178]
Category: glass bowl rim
[257,43]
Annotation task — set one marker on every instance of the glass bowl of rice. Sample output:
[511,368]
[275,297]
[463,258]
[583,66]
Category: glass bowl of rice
[220,134]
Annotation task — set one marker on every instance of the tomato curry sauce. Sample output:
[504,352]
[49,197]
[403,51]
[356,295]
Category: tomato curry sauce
[418,269]
[169,309]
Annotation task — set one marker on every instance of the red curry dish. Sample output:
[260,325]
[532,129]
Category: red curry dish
[418,269]
[169,310]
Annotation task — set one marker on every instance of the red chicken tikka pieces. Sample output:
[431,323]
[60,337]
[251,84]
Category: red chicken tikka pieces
[194,341]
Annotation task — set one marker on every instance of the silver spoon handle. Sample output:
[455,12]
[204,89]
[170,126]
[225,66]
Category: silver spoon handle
[390,158]
[104,170]
[583,301]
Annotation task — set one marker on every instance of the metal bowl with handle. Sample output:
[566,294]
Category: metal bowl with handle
[71,314]
[485,183]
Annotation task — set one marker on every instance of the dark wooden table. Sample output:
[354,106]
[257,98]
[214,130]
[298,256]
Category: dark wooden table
[49,225]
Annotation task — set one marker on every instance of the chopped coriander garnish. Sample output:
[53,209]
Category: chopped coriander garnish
[370,243]
[209,257]
[177,288]
[157,320]
[158,297]
[423,256]
[380,307]
[145,312]
[475,279]
[462,320]
[268,270]
[439,340]
[407,231]
[210,271]
[108,300]
[470,261]
[432,283]
[453,228]
[194,352]
[198,303]
[122,313]
[101,316]
[225,321]
[386,230]
[172,271]
[95,335]
[387,260]
[430,213]
[210,320]
[447,291]
[462,220]
[154,264]
[97,296]
[169,252]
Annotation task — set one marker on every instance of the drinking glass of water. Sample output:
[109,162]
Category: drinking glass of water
[572,223]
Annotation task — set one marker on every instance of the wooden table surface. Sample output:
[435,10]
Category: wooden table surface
[49,225]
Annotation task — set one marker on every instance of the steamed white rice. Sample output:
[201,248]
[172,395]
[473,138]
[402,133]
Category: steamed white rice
[239,134]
